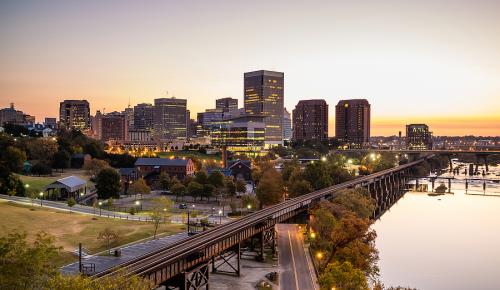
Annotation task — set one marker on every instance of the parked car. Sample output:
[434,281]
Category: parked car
[183,206]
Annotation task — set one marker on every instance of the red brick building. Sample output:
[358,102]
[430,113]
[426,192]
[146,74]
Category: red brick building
[150,167]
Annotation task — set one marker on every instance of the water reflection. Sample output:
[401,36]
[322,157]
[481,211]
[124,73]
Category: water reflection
[450,241]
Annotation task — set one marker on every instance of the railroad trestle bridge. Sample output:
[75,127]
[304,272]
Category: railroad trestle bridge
[187,264]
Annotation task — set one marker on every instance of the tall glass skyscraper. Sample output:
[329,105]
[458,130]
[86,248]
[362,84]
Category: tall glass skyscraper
[170,118]
[264,96]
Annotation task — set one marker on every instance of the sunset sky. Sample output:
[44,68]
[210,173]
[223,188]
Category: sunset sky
[436,62]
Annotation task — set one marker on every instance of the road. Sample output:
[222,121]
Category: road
[216,219]
[295,271]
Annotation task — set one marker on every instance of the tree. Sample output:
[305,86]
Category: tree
[122,280]
[201,177]
[318,176]
[299,187]
[195,189]
[357,201]
[27,266]
[71,203]
[270,188]
[230,187]
[139,187]
[62,160]
[208,191]
[42,149]
[247,200]
[108,184]
[164,181]
[12,185]
[108,236]
[216,178]
[241,186]
[178,189]
[14,158]
[342,276]
[94,166]
[159,212]
[41,168]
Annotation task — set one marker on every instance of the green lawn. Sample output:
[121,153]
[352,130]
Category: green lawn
[69,229]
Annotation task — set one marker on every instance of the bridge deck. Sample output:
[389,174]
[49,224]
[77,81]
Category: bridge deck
[173,259]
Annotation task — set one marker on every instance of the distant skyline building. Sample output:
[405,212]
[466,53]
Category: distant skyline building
[264,95]
[418,137]
[129,117]
[207,119]
[310,120]
[11,115]
[74,114]
[287,125]
[143,116]
[170,118]
[226,104]
[352,123]
[114,127]
[50,122]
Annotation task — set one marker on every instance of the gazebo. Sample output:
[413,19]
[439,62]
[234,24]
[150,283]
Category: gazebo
[67,187]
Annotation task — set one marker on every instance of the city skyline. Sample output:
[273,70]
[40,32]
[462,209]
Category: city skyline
[415,62]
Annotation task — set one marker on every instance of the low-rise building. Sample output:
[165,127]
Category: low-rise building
[150,168]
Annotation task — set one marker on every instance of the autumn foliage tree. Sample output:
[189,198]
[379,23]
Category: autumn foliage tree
[270,188]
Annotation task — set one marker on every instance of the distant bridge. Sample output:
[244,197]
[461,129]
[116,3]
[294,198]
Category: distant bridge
[186,265]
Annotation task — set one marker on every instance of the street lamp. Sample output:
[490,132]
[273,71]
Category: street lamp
[100,207]
[249,207]
[41,198]
[213,208]
[220,217]
[323,158]
[138,203]
[313,235]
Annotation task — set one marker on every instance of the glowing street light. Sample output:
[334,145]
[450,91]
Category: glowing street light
[138,203]
[41,197]
[220,217]
[323,158]
[313,235]
[100,207]
[319,255]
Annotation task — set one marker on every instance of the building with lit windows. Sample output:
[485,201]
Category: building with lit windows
[114,127]
[418,137]
[226,104]
[170,118]
[310,120]
[207,119]
[74,114]
[287,125]
[143,116]
[352,123]
[241,135]
[264,96]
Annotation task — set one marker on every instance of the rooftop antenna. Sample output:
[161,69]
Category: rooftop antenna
[129,102]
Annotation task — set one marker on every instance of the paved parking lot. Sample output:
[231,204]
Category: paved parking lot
[128,253]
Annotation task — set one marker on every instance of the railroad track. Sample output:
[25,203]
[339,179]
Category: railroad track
[143,264]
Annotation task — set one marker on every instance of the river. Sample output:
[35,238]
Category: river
[442,242]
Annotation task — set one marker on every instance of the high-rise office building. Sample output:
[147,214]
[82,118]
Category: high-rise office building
[352,123]
[129,116]
[96,125]
[310,120]
[264,96]
[170,118]
[143,116]
[287,125]
[418,137]
[114,127]
[74,114]
[226,104]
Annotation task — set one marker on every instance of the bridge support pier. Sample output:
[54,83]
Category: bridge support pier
[194,279]
[225,259]
[270,239]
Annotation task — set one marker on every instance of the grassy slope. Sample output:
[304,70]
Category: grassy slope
[72,228]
